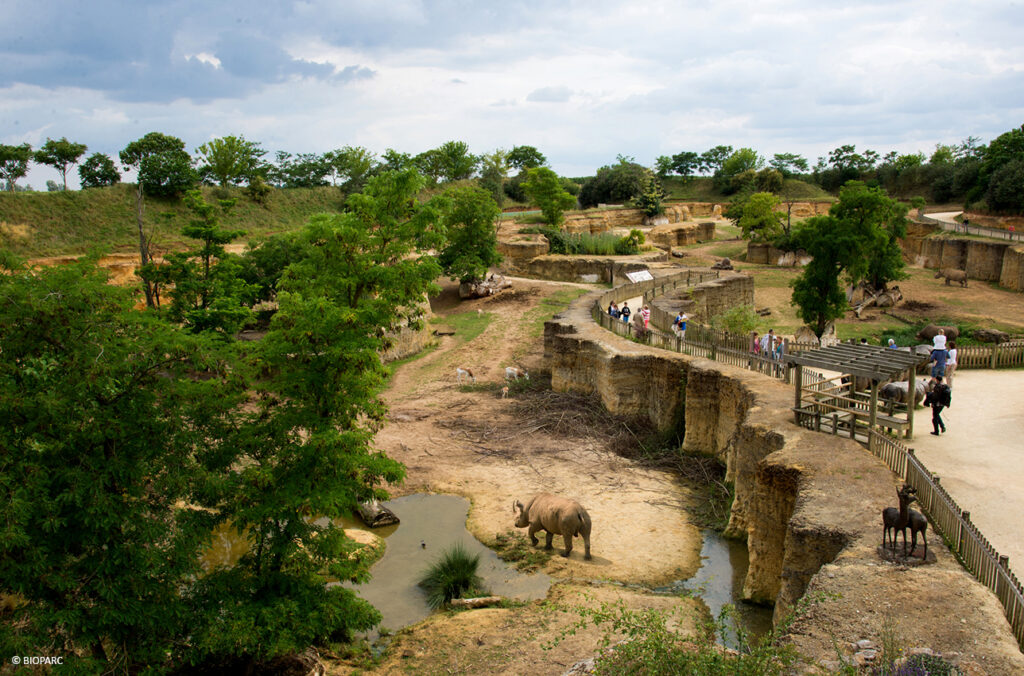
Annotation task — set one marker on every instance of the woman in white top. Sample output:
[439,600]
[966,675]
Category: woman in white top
[951,363]
[939,341]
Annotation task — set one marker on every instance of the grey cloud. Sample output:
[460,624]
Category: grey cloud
[559,94]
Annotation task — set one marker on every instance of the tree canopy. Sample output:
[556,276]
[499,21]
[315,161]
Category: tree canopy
[229,160]
[98,171]
[60,155]
[470,218]
[14,163]
[858,239]
[545,190]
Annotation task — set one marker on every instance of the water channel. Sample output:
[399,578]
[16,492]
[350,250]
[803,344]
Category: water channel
[430,524]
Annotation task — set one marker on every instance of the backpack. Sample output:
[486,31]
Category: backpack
[945,395]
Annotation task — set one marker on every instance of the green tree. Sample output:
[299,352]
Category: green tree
[545,190]
[305,170]
[307,445]
[617,183]
[712,160]
[788,164]
[686,163]
[98,171]
[106,433]
[471,220]
[943,154]
[351,165]
[162,163]
[60,155]
[14,163]
[760,220]
[857,239]
[456,162]
[738,170]
[493,171]
[208,290]
[878,223]
[651,196]
[526,157]
[230,160]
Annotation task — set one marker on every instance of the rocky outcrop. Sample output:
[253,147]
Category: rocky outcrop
[1012,275]
[765,254]
[608,269]
[681,234]
[518,249]
[807,503]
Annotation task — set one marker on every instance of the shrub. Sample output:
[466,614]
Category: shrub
[630,244]
[653,646]
[739,320]
[451,576]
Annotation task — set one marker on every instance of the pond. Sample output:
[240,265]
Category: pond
[430,524]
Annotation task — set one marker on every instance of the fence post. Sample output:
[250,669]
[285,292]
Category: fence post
[966,516]
[1001,580]
[995,355]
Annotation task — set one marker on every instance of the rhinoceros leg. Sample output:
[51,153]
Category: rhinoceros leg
[550,537]
[533,534]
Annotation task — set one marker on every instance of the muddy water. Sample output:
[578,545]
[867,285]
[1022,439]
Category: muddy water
[719,581]
[438,522]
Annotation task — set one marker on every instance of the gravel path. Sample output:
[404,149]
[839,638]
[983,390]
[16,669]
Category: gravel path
[980,459]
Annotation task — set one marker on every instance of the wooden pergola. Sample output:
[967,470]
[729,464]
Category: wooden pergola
[840,401]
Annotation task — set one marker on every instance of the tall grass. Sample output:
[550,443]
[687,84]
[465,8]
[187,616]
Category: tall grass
[451,576]
[72,222]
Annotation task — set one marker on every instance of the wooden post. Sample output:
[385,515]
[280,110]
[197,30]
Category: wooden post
[995,356]
[966,516]
[1001,580]
[873,410]
[799,382]
[912,403]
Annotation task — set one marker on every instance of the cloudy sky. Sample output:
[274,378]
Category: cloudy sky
[582,81]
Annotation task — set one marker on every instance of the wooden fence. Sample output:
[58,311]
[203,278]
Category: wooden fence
[954,524]
[1006,355]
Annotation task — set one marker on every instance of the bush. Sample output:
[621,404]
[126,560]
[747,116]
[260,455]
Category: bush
[451,576]
[652,646]
[630,244]
[739,320]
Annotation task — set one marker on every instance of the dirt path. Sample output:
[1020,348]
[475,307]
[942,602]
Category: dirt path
[980,459]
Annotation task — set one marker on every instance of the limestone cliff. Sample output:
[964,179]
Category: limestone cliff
[808,503]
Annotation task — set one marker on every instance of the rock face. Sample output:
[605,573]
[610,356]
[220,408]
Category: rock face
[1001,262]
[681,234]
[703,301]
[610,269]
[765,254]
[520,249]
[808,503]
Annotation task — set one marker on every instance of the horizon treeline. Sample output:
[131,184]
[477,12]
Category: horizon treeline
[981,176]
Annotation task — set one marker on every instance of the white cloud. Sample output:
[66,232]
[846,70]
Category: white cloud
[582,81]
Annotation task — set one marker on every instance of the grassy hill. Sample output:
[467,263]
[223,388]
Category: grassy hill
[701,189]
[35,224]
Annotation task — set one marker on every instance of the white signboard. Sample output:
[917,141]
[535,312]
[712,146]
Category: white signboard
[639,276]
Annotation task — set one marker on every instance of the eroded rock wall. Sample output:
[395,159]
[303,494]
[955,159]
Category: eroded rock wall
[1012,275]
[808,503]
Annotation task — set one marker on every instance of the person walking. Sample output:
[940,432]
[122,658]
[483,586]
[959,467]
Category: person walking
[645,315]
[939,398]
[951,363]
[682,326]
[625,311]
[613,310]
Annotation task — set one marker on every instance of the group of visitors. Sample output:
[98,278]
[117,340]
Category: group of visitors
[624,313]
[769,346]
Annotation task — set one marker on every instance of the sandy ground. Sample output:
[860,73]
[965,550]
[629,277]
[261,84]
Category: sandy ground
[980,458]
[467,441]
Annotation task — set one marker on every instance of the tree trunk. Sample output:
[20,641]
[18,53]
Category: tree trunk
[143,245]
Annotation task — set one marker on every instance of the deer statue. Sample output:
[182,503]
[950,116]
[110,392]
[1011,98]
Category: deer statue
[895,520]
[917,524]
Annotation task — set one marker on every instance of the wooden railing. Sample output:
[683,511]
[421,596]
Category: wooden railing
[1005,355]
[954,524]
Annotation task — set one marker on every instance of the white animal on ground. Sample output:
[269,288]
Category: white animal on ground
[461,373]
[514,373]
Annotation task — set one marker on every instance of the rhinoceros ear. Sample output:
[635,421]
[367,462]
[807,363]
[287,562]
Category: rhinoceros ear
[516,505]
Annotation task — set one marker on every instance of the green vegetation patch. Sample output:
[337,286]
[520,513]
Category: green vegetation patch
[514,547]
[73,222]
[549,307]
[452,576]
